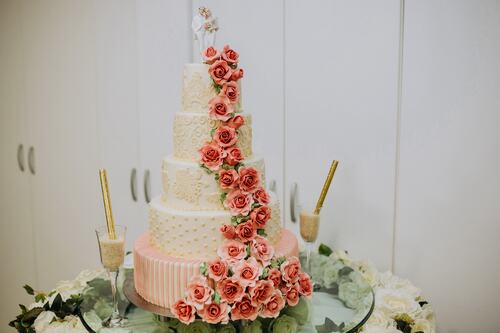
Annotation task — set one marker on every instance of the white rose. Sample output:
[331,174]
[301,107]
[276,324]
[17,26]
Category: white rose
[379,318]
[342,256]
[89,275]
[71,324]
[67,288]
[43,321]
[389,281]
[428,314]
[422,325]
[394,301]
[378,329]
[368,270]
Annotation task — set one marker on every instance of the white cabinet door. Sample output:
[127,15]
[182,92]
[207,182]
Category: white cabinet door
[117,111]
[60,98]
[163,43]
[448,234]
[255,30]
[341,80]
[16,238]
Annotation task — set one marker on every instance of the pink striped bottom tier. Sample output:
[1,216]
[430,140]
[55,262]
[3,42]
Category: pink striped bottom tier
[162,280]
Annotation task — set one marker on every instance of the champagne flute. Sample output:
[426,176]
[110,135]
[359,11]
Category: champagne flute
[112,254]
[309,228]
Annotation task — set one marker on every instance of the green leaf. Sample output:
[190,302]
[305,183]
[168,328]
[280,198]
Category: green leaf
[28,289]
[30,316]
[261,232]
[325,250]
[40,297]
[265,273]
[216,298]
[23,308]
[256,205]
[238,166]
[204,269]
[56,303]
[223,197]
[212,132]
[329,326]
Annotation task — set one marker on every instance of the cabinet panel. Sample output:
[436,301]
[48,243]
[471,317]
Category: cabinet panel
[448,232]
[163,44]
[16,238]
[257,35]
[117,110]
[341,62]
[60,103]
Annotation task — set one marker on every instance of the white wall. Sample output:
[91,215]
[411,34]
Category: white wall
[417,185]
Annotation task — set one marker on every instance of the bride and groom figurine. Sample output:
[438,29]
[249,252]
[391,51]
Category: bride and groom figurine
[205,27]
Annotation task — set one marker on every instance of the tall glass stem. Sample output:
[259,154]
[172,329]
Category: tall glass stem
[113,277]
[309,247]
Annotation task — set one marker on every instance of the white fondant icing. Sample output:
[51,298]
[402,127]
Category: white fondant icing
[193,130]
[186,186]
[195,234]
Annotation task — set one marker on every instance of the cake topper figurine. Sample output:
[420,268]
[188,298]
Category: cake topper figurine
[204,27]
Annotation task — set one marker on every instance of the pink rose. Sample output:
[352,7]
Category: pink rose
[262,250]
[247,272]
[232,251]
[261,196]
[237,74]
[249,179]
[212,156]
[261,292]
[228,179]
[228,231]
[273,307]
[232,91]
[234,156]
[290,270]
[230,290]
[214,313]
[244,309]
[274,275]
[217,269]
[220,108]
[210,55]
[220,72]
[236,122]
[230,55]
[183,311]
[260,216]
[292,294]
[238,203]
[198,292]
[246,231]
[225,136]
[305,285]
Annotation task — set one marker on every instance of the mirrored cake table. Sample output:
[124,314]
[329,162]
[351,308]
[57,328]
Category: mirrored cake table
[341,303]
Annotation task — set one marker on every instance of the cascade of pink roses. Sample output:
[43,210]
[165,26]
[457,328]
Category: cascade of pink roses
[247,280]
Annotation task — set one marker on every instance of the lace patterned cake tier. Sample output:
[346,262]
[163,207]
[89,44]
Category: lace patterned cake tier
[195,234]
[186,186]
[197,89]
[192,131]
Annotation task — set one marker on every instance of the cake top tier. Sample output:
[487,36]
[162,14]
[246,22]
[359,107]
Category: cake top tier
[198,89]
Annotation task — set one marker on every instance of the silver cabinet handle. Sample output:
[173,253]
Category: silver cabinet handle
[31,160]
[20,157]
[147,186]
[133,184]
[272,186]
[294,202]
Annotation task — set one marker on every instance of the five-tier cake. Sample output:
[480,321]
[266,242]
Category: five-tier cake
[185,221]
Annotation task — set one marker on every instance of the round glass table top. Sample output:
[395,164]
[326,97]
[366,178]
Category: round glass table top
[342,302]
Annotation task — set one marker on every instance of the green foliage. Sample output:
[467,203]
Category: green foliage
[325,250]
[404,323]
[29,290]
[329,326]
[207,170]
[204,269]
[262,232]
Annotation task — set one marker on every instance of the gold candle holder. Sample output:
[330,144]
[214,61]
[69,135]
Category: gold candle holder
[326,187]
[110,222]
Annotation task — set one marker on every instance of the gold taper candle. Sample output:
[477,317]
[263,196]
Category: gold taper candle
[326,186]
[107,203]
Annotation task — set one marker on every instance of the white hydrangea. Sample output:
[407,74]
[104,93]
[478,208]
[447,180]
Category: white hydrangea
[396,301]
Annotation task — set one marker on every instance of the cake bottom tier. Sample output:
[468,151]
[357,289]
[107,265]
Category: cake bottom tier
[162,280]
